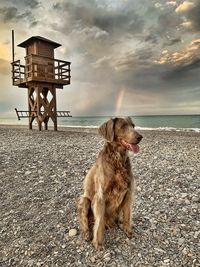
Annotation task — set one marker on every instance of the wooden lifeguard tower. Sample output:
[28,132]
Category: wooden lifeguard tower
[42,74]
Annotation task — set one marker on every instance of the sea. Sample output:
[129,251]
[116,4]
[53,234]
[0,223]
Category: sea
[153,122]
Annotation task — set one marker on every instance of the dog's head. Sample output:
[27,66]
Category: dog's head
[121,131]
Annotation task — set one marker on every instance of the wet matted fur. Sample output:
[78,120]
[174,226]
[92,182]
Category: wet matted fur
[109,185]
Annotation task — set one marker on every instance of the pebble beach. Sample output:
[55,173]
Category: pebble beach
[41,175]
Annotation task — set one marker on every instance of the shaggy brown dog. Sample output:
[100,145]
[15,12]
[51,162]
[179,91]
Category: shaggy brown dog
[109,184]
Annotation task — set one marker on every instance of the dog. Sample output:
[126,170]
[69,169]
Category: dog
[109,185]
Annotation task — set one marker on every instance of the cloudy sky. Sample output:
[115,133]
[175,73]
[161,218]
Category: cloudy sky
[128,57]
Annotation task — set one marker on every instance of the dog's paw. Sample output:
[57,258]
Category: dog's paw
[86,235]
[98,245]
[128,232]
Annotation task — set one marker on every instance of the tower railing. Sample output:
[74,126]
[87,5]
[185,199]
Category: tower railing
[18,72]
[39,68]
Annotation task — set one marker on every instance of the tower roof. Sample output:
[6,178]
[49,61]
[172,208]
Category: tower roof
[35,38]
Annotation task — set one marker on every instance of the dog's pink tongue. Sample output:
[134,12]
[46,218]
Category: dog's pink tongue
[134,148]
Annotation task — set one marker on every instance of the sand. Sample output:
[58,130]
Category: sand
[41,175]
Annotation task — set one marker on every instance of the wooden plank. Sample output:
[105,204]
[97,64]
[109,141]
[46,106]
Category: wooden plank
[27,113]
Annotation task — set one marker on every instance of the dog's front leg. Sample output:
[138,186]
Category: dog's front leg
[126,209]
[98,208]
[83,209]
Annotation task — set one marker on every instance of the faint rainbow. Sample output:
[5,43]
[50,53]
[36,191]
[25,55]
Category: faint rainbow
[119,101]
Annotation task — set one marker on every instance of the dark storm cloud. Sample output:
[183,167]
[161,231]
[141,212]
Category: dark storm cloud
[134,60]
[151,38]
[140,70]
[167,22]
[57,6]
[119,21]
[12,14]
[134,69]
[34,24]
[161,26]
[77,11]
[30,3]
[172,42]
[183,71]
[133,36]
[21,3]
[144,78]
[90,14]
[158,80]
[165,30]
[99,30]
[14,11]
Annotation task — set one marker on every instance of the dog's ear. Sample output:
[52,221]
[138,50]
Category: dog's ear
[107,130]
[129,120]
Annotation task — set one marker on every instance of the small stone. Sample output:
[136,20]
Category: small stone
[187,201]
[194,206]
[166,260]
[30,263]
[159,250]
[195,199]
[106,255]
[61,211]
[181,241]
[114,264]
[175,231]
[196,234]
[27,172]
[92,259]
[72,232]
[183,195]
[107,259]
[184,251]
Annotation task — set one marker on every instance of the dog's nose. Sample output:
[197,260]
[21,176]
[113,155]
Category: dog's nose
[139,138]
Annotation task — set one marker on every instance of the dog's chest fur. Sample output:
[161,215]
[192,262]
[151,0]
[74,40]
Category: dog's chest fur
[116,190]
[117,178]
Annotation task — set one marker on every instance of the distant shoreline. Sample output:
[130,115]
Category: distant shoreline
[94,129]
[183,123]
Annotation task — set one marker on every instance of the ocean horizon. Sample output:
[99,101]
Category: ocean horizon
[144,122]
